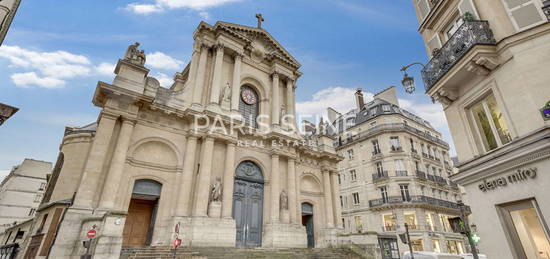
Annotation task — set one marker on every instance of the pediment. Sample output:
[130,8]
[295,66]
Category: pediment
[258,40]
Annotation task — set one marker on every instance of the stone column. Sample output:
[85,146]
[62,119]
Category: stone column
[236,86]
[217,75]
[298,199]
[275,193]
[328,199]
[96,158]
[291,179]
[290,100]
[116,168]
[184,192]
[203,184]
[228,180]
[336,199]
[199,81]
[275,105]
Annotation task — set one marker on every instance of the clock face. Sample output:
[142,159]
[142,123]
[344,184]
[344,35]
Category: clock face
[248,96]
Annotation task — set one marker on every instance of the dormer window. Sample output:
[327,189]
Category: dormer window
[386,108]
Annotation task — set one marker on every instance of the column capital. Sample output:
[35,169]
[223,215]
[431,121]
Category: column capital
[128,120]
[238,55]
[109,115]
[275,74]
[219,46]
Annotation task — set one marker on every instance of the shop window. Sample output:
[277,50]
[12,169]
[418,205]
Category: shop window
[410,219]
[417,245]
[524,223]
[435,245]
[445,223]
[490,124]
[390,222]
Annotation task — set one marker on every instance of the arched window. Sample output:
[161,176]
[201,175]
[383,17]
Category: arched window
[248,105]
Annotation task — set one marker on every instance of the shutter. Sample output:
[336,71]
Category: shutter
[434,43]
[467,6]
[524,13]
[424,8]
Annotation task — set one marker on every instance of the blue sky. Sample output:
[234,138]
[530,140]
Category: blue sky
[56,51]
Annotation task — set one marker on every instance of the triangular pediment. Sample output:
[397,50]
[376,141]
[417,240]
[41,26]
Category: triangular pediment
[252,35]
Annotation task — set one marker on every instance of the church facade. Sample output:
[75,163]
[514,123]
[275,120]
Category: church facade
[215,160]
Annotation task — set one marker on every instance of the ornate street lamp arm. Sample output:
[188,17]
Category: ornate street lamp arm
[410,65]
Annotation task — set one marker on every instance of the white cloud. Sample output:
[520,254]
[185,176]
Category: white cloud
[105,69]
[162,5]
[164,80]
[162,61]
[205,15]
[30,78]
[339,98]
[432,112]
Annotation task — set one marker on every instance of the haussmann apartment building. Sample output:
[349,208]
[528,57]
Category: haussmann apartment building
[490,67]
[395,171]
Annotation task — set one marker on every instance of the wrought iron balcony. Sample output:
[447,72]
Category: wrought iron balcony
[431,177]
[396,149]
[380,176]
[470,34]
[421,175]
[417,199]
[400,172]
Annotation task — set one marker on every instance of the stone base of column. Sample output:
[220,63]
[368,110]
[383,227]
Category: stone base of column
[215,209]
[205,231]
[328,237]
[284,235]
[285,216]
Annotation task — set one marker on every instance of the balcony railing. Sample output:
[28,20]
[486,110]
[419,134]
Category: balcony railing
[396,149]
[389,127]
[440,180]
[431,177]
[470,34]
[400,172]
[421,175]
[418,199]
[380,176]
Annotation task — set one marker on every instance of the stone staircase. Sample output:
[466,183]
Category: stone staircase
[163,252]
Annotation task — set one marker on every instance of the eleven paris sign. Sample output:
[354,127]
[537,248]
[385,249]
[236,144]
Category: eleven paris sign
[520,176]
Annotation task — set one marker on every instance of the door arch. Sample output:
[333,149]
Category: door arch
[248,204]
[140,221]
[307,221]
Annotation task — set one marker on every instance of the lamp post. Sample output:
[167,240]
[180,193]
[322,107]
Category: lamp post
[6,111]
[408,81]
[467,229]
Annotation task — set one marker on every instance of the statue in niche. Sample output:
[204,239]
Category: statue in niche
[284,200]
[216,191]
[134,55]
[282,116]
[225,96]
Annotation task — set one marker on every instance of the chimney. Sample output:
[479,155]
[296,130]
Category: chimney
[359,98]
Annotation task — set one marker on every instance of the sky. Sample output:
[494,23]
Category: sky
[56,51]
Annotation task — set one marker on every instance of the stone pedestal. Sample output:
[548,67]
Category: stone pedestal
[285,216]
[328,237]
[215,209]
[206,231]
[284,235]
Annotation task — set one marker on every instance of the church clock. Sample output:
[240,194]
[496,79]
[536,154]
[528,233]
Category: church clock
[248,96]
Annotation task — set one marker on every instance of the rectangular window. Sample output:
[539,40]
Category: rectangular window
[444,219]
[395,144]
[400,168]
[350,153]
[417,245]
[525,13]
[358,224]
[384,194]
[490,123]
[386,108]
[42,186]
[423,8]
[410,219]
[37,198]
[353,175]
[453,27]
[375,147]
[405,195]
[355,198]
[379,168]
[390,222]
[524,223]
[435,244]
[341,201]
[430,222]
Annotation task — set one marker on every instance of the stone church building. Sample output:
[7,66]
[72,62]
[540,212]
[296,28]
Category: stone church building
[213,160]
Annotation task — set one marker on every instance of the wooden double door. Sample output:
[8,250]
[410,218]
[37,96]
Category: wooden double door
[247,212]
[138,226]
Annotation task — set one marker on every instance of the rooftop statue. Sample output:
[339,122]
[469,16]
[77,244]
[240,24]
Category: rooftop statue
[134,55]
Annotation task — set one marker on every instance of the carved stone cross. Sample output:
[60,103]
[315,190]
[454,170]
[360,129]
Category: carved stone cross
[260,20]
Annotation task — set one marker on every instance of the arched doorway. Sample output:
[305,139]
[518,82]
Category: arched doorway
[248,204]
[140,221]
[307,221]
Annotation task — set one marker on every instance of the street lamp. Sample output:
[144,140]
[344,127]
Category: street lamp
[6,111]
[408,81]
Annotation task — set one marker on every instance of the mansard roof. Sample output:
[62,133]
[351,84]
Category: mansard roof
[249,34]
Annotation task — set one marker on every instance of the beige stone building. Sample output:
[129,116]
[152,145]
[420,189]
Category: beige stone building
[21,192]
[211,160]
[8,8]
[395,171]
[489,68]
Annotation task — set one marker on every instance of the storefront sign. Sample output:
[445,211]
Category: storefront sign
[545,111]
[519,176]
